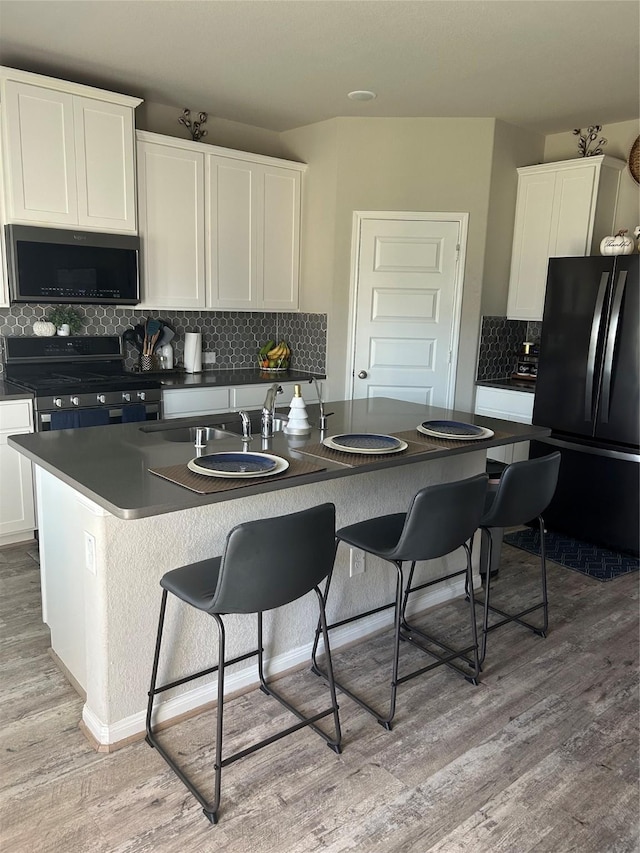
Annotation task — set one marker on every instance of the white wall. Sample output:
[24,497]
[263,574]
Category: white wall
[161,118]
[429,164]
[512,147]
[389,164]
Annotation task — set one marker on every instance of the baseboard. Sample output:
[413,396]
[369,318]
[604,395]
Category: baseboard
[73,681]
[17,538]
[108,737]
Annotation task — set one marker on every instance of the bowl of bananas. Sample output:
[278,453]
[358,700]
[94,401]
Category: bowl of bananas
[274,357]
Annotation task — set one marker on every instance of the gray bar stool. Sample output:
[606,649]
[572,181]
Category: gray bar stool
[265,564]
[523,493]
[440,520]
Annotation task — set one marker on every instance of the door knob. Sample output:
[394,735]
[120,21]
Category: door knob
[363,374]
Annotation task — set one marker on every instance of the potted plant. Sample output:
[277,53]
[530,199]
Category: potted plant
[66,320]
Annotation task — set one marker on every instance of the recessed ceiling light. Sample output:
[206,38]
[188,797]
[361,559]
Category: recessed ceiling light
[361,95]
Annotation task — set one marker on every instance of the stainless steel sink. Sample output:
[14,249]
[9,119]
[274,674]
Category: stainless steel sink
[188,434]
[231,428]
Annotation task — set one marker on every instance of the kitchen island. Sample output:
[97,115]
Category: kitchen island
[109,529]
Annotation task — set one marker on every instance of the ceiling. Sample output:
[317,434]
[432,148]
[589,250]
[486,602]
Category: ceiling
[546,65]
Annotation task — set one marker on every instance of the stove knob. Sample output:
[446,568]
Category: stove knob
[126,397]
[57,402]
[75,401]
[102,398]
[141,395]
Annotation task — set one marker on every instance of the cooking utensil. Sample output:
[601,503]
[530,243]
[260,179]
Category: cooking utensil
[129,336]
[166,336]
[151,335]
[139,333]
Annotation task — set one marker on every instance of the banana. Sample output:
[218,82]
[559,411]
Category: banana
[279,352]
[268,346]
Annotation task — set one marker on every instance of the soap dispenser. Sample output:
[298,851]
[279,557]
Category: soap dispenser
[298,423]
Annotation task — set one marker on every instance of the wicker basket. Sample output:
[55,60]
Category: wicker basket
[634,160]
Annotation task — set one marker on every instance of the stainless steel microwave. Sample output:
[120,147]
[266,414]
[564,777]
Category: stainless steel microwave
[50,265]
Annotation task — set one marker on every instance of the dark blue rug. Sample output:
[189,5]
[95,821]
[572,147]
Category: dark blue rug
[583,557]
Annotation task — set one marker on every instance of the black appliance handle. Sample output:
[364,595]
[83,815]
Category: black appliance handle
[612,336]
[593,346]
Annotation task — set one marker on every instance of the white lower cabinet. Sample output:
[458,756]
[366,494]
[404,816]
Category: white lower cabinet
[508,405]
[252,396]
[17,515]
[190,402]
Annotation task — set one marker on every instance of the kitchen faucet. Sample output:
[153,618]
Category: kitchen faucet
[323,418]
[246,427]
[268,410]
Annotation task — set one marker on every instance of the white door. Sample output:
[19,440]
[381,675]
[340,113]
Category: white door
[408,290]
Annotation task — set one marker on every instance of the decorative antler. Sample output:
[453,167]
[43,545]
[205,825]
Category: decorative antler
[194,127]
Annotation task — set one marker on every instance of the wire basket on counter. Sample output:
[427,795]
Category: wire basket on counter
[274,357]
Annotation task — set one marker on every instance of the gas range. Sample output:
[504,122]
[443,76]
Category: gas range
[79,373]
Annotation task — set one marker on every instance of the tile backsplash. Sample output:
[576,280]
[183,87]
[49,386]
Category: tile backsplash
[234,336]
[500,342]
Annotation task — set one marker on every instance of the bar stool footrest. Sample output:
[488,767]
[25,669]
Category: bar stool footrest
[384,721]
[516,617]
[447,660]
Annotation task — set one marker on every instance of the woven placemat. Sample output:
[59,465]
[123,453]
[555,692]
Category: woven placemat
[355,459]
[204,485]
[433,443]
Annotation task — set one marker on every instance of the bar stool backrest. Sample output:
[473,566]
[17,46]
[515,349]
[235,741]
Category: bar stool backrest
[524,492]
[441,518]
[273,561]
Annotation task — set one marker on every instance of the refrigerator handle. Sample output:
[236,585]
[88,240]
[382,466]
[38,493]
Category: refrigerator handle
[612,336]
[593,345]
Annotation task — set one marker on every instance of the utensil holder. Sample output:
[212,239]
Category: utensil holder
[148,362]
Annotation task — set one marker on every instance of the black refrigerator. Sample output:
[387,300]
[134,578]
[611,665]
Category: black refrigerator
[588,393]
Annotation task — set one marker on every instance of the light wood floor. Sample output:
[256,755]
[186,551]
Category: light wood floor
[541,756]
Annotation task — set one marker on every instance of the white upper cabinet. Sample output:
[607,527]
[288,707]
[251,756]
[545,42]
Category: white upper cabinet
[172,235]
[562,210]
[105,165]
[231,246]
[69,154]
[279,238]
[4,284]
[250,238]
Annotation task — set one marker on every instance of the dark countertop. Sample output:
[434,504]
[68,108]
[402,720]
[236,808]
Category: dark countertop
[109,465]
[511,384]
[11,392]
[221,378]
[180,379]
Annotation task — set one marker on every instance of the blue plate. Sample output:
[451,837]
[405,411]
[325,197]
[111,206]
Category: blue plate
[237,464]
[454,430]
[365,442]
